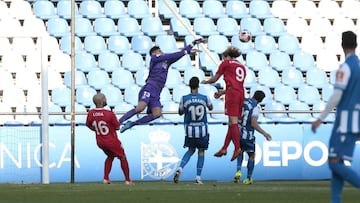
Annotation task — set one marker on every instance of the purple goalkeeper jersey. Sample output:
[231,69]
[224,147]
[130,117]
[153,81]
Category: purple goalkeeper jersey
[159,66]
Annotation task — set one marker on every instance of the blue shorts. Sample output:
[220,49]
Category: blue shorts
[151,96]
[342,145]
[200,143]
[247,145]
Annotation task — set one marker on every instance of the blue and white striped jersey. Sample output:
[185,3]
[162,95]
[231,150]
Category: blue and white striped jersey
[348,109]
[250,110]
[194,106]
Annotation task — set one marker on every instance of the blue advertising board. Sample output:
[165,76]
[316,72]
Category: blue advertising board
[154,153]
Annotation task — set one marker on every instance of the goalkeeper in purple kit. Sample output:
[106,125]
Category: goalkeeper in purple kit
[149,95]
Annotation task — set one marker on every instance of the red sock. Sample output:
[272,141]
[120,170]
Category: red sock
[227,140]
[107,167]
[235,135]
[125,168]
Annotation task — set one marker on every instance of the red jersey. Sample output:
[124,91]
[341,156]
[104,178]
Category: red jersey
[105,124]
[234,74]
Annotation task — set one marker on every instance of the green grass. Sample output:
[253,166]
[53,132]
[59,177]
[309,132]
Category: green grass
[185,192]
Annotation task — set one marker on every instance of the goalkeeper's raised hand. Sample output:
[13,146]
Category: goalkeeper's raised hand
[198,41]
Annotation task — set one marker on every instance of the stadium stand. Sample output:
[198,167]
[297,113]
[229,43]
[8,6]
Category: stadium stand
[292,27]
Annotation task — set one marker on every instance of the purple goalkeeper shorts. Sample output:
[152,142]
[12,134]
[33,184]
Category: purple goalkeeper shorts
[151,96]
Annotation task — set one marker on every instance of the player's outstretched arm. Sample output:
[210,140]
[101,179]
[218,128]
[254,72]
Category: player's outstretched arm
[256,126]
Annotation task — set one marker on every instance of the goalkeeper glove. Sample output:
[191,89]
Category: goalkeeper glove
[198,41]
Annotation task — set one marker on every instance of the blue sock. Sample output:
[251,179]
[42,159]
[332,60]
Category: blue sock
[337,184]
[250,168]
[186,158]
[200,164]
[145,119]
[127,115]
[239,162]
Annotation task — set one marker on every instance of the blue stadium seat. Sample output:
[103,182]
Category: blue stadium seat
[177,27]
[167,43]
[300,117]
[326,92]
[213,9]
[131,94]
[183,63]
[173,79]
[219,106]
[95,44]
[250,79]
[172,106]
[141,44]
[289,44]
[83,27]
[44,9]
[208,90]
[292,77]
[64,9]
[114,9]
[80,79]
[217,43]
[253,25]
[274,27]
[308,94]
[280,61]
[98,79]
[191,72]
[80,119]
[227,26]
[109,61]
[268,77]
[84,95]
[128,26]
[61,96]
[105,27]
[204,26]
[164,11]
[133,61]
[303,61]
[65,44]
[118,44]
[276,117]
[244,47]
[122,108]
[138,9]
[316,77]
[179,91]
[260,9]
[113,95]
[91,9]
[190,9]
[152,26]
[57,119]
[265,44]
[85,62]
[236,9]
[285,94]
[141,76]
[256,60]
[207,63]
[165,95]
[58,27]
[283,9]
[122,78]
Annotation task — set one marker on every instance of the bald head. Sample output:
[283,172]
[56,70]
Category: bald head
[99,100]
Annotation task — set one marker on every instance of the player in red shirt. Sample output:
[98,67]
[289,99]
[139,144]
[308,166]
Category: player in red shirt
[105,124]
[234,75]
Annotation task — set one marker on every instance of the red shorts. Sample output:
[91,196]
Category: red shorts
[113,149]
[234,101]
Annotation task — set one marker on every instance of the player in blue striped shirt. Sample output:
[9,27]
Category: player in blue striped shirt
[346,128]
[247,125]
[194,106]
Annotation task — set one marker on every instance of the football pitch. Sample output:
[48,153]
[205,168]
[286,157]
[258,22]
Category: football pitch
[166,191]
